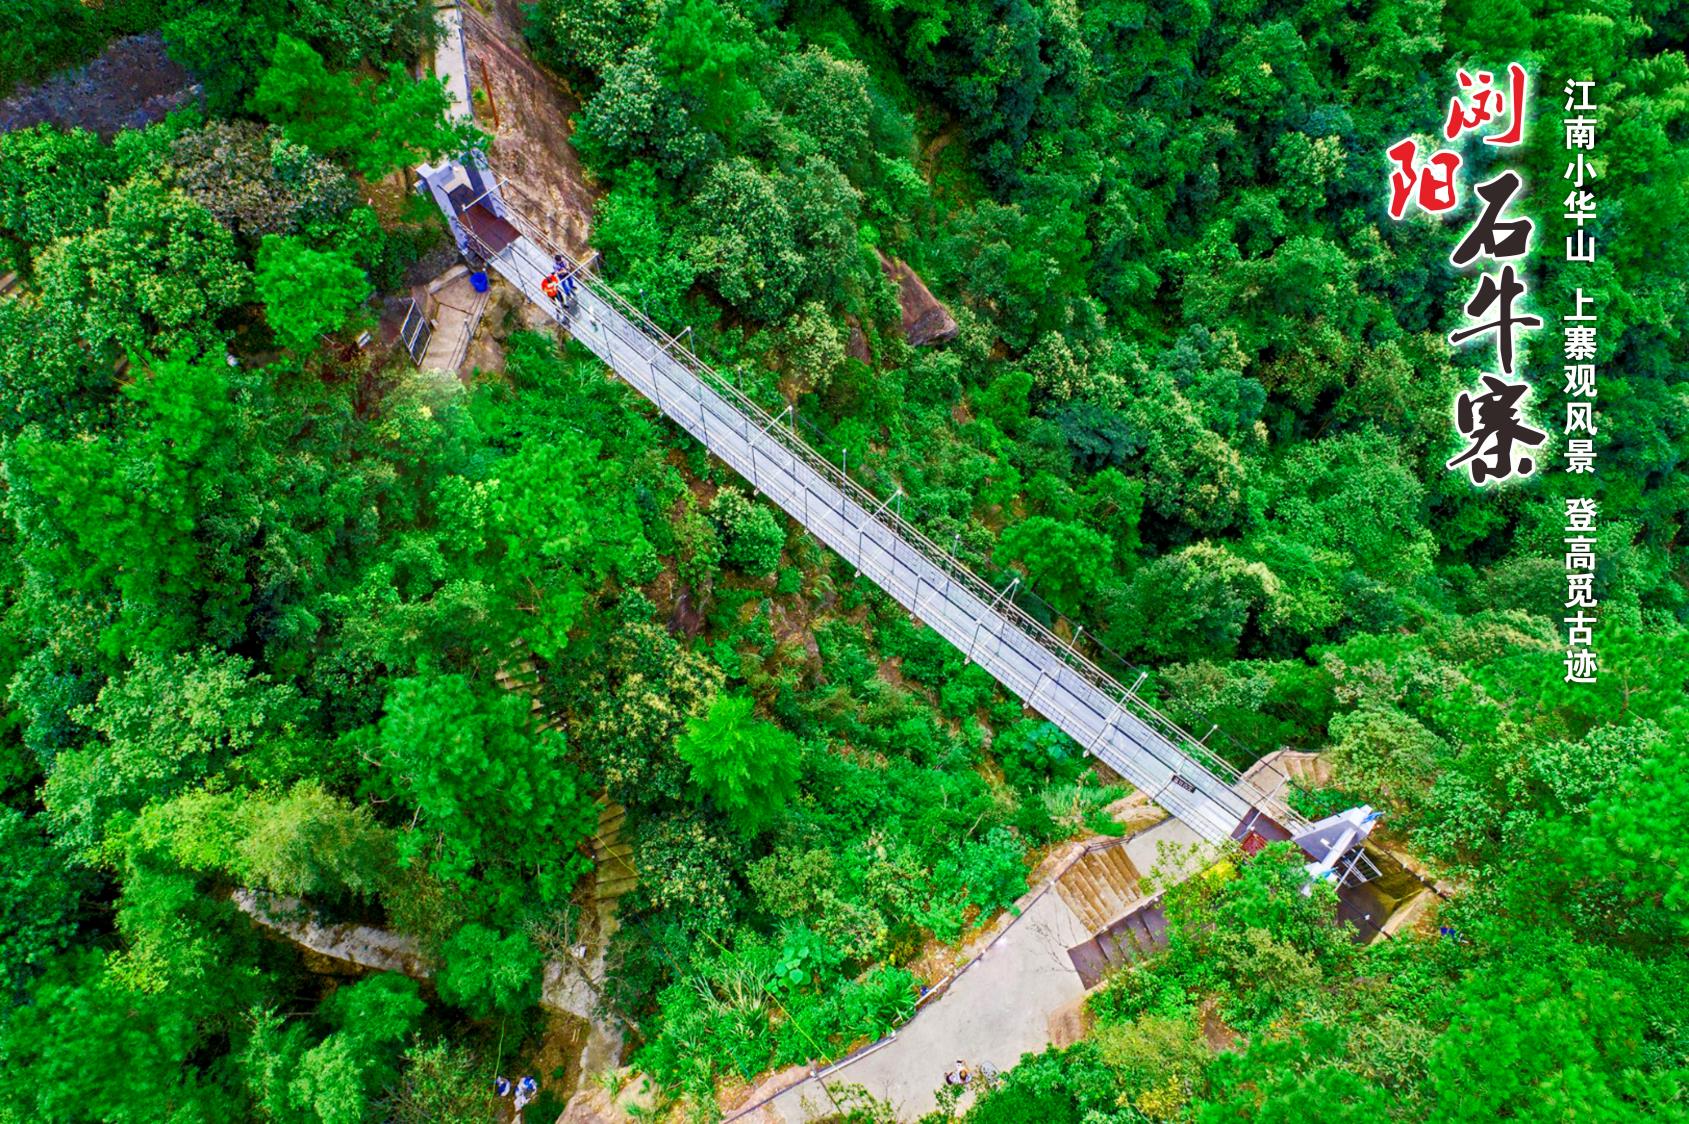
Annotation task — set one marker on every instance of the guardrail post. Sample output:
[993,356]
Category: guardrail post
[1037,685]
[1108,727]
[703,414]
[968,655]
[862,528]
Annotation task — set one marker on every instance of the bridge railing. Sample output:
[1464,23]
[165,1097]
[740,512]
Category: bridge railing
[1264,791]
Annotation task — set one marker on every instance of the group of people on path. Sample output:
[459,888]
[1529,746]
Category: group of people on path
[964,1073]
[559,284]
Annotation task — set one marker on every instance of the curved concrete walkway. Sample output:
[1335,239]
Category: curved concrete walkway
[995,1011]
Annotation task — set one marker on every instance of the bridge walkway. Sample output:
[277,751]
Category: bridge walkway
[1175,769]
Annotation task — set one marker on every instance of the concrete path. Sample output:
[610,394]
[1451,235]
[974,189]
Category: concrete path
[997,1010]
[451,65]
[455,309]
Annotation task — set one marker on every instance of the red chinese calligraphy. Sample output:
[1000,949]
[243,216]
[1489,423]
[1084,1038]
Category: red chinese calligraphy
[1489,104]
[1432,183]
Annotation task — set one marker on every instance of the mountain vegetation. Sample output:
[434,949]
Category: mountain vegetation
[280,616]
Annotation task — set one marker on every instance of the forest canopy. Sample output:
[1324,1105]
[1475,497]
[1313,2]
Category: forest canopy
[471,662]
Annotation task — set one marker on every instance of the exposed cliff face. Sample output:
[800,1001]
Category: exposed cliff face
[856,344]
[363,946]
[531,139]
[925,319]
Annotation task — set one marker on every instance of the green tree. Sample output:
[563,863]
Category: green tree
[333,1080]
[307,293]
[52,185]
[39,899]
[1613,868]
[498,807]
[749,249]
[751,535]
[442,1083]
[168,723]
[154,278]
[1032,752]
[746,767]
[830,100]
[1065,562]
[487,974]
[92,1045]
[1354,496]
[1193,604]
[766,241]
[812,349]
[645,256]
[377,125]
[560,522]
[1114,505]
[255,181]
[637,116]
[1159,1062]
[1006,401]
[302,842]
[1385,754]
[1282,1081]
[1551,1032]
[706,50]
[586,39]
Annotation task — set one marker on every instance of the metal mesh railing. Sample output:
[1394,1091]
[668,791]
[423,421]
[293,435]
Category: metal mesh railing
[415,333]
[526,261]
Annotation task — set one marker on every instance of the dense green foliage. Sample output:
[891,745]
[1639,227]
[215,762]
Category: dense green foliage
[374,126]
[283,617]
[307,293]
[1199,402]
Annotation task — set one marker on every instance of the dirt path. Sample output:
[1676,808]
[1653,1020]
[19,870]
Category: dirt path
[531,141]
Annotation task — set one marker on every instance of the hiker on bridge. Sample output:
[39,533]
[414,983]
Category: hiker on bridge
[564,271]
[552,286]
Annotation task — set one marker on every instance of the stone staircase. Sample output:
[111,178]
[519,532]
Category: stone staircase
[612,856]
[454,309]
[576,987]
[1101,887]
[612,859]
[1310,770]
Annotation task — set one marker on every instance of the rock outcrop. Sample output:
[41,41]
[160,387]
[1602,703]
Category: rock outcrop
[925,319]
[570,988]
[131,84]
[856,345]
[377,950]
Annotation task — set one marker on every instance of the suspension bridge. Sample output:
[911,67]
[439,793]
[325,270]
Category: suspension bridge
[1050,675]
